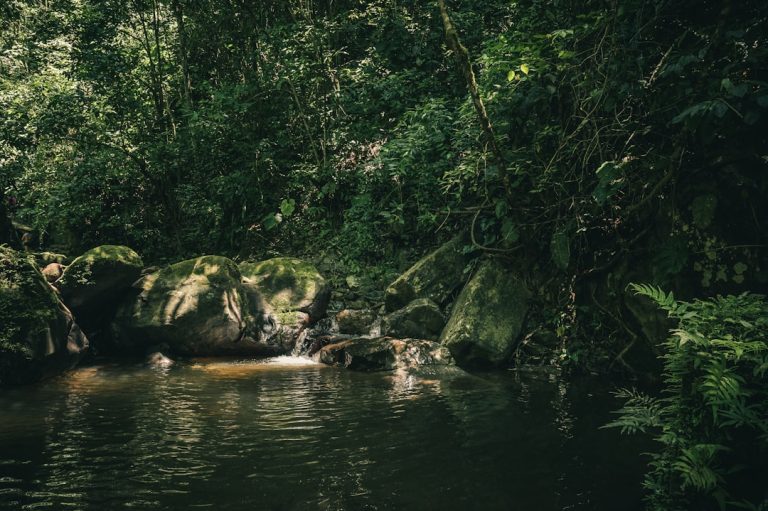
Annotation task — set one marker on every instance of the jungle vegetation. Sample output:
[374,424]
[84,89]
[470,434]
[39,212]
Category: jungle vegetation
[593,142]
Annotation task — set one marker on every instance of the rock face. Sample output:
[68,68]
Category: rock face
[436,276]
[97,276]
[355,321]
[208,306]
[420,319]
[286,295]
[385,354]
[38,336]
[487,317]
[197,307]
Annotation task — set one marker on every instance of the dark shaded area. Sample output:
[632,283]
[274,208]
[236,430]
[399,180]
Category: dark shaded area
[314,438]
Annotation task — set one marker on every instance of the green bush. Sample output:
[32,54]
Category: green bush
[711,422]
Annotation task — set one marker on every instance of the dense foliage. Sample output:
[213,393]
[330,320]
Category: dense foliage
[629,138]
[712,421]
[27,305]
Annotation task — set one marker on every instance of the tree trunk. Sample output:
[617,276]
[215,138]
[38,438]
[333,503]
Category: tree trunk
[183,57]
[465,66]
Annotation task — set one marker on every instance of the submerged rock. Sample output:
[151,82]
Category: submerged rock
[355,321]
[197,307]
[420,319]
[38,335]
[436,276]
[158,360]
[487,316]
[97,276]
[385,354]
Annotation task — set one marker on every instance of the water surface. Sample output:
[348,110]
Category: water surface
[288,434]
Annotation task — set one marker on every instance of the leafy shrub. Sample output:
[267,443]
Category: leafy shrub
[712,420]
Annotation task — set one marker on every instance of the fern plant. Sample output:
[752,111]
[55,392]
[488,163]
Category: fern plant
[711,421]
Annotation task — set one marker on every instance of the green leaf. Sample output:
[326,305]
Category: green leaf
[287,207]
[270,221]
[501,208]
[610,177]
[511,75]
[703,210]
[524,68]
[560,248]
[509,230]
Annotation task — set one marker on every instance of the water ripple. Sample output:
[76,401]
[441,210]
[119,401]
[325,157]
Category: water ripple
[290,434]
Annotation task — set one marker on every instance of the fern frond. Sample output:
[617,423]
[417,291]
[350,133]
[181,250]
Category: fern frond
[666,301]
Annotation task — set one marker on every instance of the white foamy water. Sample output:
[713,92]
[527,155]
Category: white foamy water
[290,360]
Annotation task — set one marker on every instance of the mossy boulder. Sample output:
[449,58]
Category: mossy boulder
[420,319]
[436,276]
[38,335]
[95,277]
[286,295]
[197,307]
[385,354]
[288,284]
[487,316]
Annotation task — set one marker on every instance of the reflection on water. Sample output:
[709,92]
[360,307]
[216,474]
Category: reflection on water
[289,434]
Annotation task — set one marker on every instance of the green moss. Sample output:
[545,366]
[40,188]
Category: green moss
[103,258]
[487,317]
[216,269]
[196,306]
[436,276]
[285,283]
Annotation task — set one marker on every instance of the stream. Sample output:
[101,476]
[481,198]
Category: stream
[291,434]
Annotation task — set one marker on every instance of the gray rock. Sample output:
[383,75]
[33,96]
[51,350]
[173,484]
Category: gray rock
[385,354]
[97,276]
[420,319]
[158,360]
[289,285]
[197,307]
[487,317]
[436,276]
[285,296]
[355,321]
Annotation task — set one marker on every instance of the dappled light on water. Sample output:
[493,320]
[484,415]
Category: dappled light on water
[289,433]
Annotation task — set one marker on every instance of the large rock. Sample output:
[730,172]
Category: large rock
[38,336]
[355,321]
[420,319]
[98,276]
[436,276]
[197,307]
[385,354]
[289,285]
[487,316]
[286,295]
